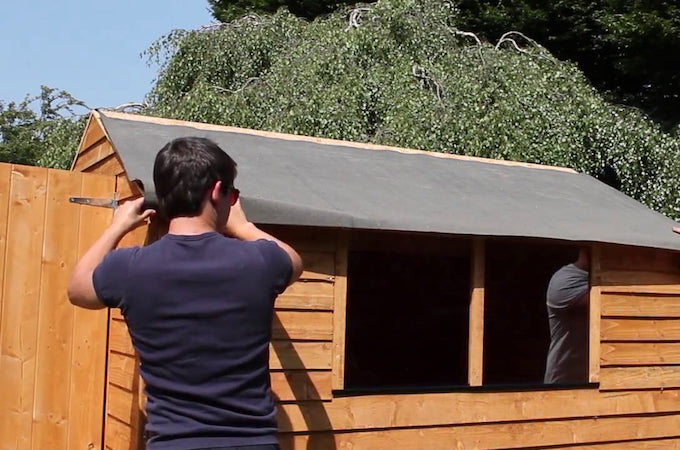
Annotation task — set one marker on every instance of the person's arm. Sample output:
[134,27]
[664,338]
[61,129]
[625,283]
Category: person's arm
[80,287]
[239,227]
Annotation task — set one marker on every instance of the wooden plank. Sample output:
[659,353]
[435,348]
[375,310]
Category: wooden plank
[626,354]
[640,281]
[21,296]
[287,301]
[303,325]
[634,329]
[654,444]
[318,266]
[126,189]
[595,311]
[122,405]
[119,436]
[325,141]
[476,328]
[310,289]
[55,324]
[340,310]
[304,239]
[460,408]
[497,436]
[122,370]
[300,355]
[93,133]
[658,289]
[616,257]
[88,364]
[119,338]
[301,385]
[640,378]
[136,237]
[110,165]
[92,156]
[640,305]
[5,177]
[642,276]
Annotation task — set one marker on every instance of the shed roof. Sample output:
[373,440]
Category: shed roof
[296,180]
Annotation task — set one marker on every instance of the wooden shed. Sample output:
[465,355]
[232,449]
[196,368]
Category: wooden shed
[420,320]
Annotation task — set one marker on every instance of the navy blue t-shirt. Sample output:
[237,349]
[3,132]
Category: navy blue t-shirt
[199,311]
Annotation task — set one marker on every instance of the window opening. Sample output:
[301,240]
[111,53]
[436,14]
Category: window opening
[407,311]
[516,330]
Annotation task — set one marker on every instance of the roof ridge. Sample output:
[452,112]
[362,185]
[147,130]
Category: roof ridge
[323,141]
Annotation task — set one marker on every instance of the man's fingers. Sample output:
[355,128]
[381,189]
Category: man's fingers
[676,230]
[148,213]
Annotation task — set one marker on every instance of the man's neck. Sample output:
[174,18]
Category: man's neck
[191,225]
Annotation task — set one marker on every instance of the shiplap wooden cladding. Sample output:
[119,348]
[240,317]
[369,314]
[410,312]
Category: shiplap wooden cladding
[635,355]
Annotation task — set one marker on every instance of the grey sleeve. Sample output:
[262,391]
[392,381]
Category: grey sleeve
[566,286]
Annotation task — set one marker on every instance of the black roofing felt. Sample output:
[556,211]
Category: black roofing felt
[297,182]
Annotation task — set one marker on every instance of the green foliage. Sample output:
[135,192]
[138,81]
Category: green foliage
[406,77]
[48,137]
[627,48]
[228,10]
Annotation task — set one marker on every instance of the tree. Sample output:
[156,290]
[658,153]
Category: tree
[46,136]
[400,72]
[228,10]
[626,48]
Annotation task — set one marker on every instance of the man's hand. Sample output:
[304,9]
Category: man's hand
[126,218]
[237,224]
[676,230]
[129,216]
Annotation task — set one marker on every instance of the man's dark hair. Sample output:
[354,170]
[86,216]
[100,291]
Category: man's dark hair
[185,169]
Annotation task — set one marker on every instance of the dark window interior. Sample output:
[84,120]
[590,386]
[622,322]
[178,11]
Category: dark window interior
[516,332]
[407,311]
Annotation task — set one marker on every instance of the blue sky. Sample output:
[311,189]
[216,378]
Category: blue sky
[89,48]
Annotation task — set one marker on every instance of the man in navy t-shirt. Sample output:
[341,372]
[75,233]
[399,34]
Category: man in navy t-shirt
[198,304]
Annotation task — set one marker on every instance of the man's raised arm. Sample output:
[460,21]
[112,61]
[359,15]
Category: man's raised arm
[239,227]
[80,287]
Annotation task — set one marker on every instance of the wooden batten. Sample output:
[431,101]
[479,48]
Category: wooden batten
[595,309]
[476,330]
[340,310]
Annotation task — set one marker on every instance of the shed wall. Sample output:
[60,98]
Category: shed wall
[640,325]
[310,417]
[635,406]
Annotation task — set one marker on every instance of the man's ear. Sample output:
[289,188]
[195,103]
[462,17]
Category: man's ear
[215,192]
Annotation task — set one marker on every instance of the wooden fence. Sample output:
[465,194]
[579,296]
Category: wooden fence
[52,355]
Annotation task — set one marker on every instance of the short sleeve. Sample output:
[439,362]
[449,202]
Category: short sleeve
[567,285]
[110,276]
[278,264]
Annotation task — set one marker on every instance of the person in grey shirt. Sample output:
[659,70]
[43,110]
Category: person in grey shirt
[567,302]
